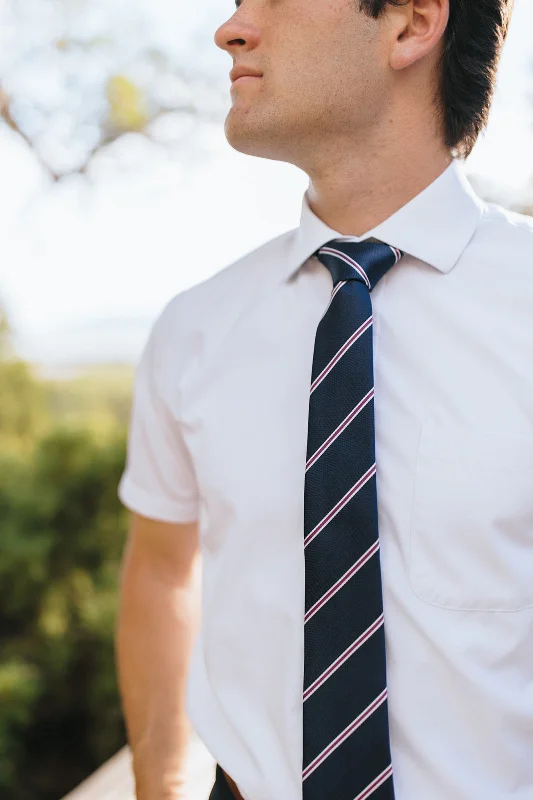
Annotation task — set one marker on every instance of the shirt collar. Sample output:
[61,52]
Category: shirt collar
[435,226]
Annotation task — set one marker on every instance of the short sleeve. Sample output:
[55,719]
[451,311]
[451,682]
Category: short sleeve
[159,481]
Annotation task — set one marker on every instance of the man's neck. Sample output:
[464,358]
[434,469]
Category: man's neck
[354,198]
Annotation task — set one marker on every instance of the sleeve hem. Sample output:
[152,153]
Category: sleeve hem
[149,505]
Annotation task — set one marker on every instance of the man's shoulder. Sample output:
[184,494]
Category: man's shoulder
[209,307]
[233,283]
[506,233]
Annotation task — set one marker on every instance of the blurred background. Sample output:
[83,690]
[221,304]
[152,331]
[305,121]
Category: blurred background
[113,166]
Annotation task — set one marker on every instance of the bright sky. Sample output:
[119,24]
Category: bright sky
[123,246]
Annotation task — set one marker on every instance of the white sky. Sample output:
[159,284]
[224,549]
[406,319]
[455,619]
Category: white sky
[123,246]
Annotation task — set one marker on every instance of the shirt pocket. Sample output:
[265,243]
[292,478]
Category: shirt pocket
[472,529]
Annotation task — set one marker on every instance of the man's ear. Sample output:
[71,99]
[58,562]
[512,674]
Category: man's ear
[416,28]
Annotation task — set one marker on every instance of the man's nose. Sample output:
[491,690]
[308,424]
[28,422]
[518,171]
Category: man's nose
[237,33]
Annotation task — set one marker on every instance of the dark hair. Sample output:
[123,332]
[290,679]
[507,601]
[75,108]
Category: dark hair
[473,41]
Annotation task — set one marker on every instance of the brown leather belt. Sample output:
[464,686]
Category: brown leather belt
[233,786]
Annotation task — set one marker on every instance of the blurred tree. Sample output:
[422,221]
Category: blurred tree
[99,398]
[63,531]
[77,76]
[6,348]
[23,406]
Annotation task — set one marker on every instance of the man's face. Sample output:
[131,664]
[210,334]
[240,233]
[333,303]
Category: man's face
[325,77]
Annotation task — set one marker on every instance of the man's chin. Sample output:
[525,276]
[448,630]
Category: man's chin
[253,138]
[243,139]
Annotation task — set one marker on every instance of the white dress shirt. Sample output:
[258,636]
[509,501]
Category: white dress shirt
[219,434]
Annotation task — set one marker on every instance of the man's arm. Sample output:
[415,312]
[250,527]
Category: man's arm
[158,621]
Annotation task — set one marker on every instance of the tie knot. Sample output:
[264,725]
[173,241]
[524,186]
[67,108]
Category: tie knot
[366,262]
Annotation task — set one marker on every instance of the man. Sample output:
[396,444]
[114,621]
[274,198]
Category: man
[379,358]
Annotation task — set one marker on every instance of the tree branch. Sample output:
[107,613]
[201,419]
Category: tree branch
[109,136]
[7,117]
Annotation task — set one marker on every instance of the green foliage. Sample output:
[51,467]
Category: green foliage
[99,398]
[62,531]
[127,106]
[19,688]
[22,400]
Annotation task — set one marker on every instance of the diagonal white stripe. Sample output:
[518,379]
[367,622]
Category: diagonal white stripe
[337,432]
[340,505]
[333,293]
[397,253]
[347,260]
[337,288]
[376,783]
[346,346]
[342,581]
[370,631]
[369,710]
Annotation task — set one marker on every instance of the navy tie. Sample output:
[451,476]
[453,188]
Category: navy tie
[346,749]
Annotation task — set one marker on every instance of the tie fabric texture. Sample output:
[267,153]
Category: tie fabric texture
[346,749]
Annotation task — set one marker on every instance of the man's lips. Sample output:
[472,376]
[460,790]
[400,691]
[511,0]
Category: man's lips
[244,79]
[241,71]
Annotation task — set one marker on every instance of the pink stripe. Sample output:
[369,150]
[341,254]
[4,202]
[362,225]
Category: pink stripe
[340,583]
[371,788]
[337,287]
[353,338]
[344,424]
[343,657]
[333,293]
[397,253]
[343,257]
[369,710]
[335,510]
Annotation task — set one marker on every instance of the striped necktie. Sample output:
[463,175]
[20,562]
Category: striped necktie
[346,750]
